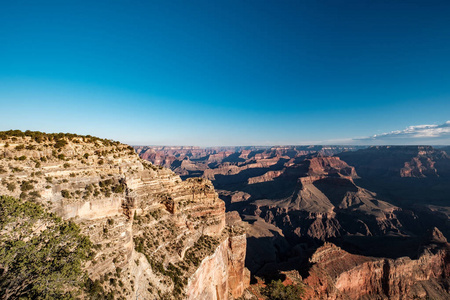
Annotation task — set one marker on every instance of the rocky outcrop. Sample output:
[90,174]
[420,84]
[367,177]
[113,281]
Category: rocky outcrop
[330,166]
[221,274]
[269,176]
[238,274]
[337,274]
[155,235]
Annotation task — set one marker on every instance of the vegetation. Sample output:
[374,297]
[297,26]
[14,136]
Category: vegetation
[205,245]
[60,139]
[41,256]
[276,290]
[26,186]
[11,186]
[60,143]
[65,194]
[95,290]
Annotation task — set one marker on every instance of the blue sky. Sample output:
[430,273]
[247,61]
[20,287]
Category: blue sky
[228,72]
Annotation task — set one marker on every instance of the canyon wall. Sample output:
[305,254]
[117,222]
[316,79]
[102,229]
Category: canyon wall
[337,274]
[154,235]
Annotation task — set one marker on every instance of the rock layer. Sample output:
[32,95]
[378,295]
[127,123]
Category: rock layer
[152,231]
[337,274]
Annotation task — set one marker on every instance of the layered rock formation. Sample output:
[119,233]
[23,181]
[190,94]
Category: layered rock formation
[414,177]
[376,203]
[155,235]
[399,161]
[337,274]
[194,161]
[324,204]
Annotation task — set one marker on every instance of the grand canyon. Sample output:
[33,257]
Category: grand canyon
[224,150]
[335,222]
[345,222]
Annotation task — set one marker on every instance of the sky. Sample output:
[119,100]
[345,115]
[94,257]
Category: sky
[224,73]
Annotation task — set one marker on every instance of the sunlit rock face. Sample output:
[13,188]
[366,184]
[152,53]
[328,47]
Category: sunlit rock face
[376,203]
[337,274]
[155,235]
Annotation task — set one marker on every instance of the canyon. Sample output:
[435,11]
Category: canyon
[339,222]
[373,205]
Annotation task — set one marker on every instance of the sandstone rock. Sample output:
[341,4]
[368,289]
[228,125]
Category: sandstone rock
[337,274]
[162,237]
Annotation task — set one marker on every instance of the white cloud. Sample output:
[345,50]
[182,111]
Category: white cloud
[416,133]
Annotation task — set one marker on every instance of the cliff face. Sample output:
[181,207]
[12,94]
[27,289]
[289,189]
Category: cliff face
[221,274]
[154,234]
[337,274]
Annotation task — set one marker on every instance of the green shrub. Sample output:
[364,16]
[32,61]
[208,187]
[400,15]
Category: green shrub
[35,194]
[20,147]
[17,169]
[47,265]
[60,144]
[119,189]
[95,290]
[276,290]
[26,186]
[65,194]
[11,186]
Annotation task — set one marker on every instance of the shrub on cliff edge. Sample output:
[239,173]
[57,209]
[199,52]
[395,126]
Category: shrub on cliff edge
[41,255]
[276,290]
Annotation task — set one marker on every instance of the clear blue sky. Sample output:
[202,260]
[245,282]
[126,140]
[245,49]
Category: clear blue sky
[227,72]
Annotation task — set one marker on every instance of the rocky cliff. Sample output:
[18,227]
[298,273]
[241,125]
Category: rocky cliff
[155,235]
[337,274]
[375,203]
